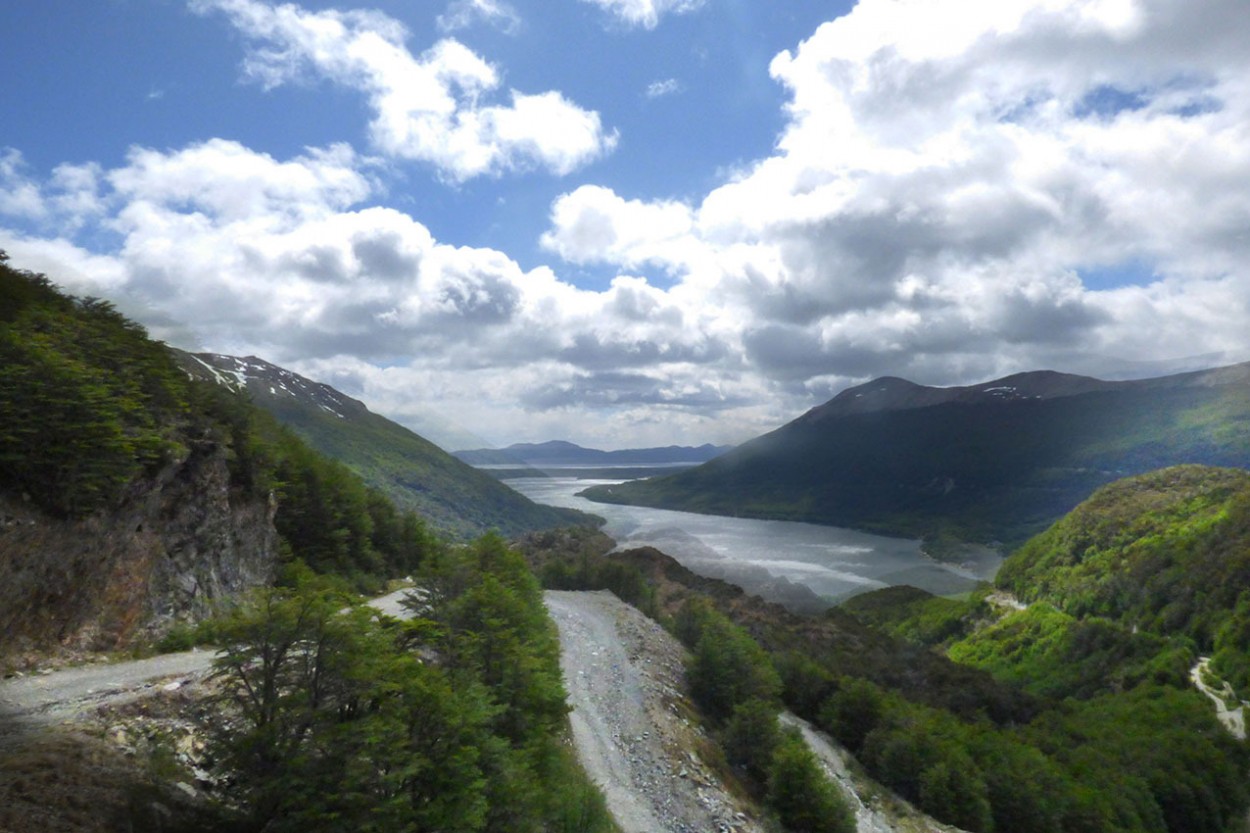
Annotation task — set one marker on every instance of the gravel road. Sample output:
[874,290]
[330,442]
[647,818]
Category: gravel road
[624,675]
[60,696]
[68,694]
[1234,720]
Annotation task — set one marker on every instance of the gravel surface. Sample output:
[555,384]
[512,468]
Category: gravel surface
[62,696]
[1234,720]
[625,678]
[68,694]
[877,810]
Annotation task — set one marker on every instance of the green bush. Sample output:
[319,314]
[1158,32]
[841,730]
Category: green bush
[800,795]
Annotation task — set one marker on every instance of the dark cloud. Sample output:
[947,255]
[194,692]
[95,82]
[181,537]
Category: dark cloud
[593,351]
[622,390]
[382,255]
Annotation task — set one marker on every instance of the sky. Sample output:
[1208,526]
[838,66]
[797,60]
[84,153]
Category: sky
[631,223]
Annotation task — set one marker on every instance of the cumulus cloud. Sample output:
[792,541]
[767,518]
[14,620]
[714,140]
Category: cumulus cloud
[430,107]
[950,171]
[954,182]
[69,199]
[593,224]
[238,251]
[645,13]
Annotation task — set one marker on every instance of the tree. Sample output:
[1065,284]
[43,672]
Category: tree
[727,667]
[852,712]
[800,794]
[751,737]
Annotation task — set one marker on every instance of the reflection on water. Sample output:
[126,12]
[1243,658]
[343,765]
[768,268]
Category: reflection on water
[804,566]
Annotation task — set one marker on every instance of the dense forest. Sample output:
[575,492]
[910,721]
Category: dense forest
[1125,593]
[454,720]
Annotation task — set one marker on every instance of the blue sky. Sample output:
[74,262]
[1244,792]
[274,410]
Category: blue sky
[636,222]
[692,98]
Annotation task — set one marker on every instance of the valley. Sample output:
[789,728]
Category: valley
[793,676]
[806,567]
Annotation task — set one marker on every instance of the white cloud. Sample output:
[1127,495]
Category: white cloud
[430,108]
[951,170]
[951,178]
[594,225]
[19,196]
[659,89]
[68,200]
[463,14]
[234,250]
[645,13]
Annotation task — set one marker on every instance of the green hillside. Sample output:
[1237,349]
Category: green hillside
[974,465]
[453,497]
[1122,597]
[1166,553]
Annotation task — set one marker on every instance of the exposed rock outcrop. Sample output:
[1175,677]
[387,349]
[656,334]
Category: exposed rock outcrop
[179,543]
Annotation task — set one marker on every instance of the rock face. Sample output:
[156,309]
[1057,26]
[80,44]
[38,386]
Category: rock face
[179,543]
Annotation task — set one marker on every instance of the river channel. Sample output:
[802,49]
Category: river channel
[804,566]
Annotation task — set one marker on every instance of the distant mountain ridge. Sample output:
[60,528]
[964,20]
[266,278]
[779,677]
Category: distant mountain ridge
[891,393]
[451,495]
[562,453]
[994,461]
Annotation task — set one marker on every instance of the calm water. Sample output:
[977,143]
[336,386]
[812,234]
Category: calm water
[802,565]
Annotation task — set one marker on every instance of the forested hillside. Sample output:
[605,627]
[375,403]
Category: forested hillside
[1118,601]
[454,498]
[1166,554]
[124,477]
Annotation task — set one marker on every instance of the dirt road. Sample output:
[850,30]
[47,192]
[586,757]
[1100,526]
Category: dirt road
[1234,720]
[624,675]
[65,695]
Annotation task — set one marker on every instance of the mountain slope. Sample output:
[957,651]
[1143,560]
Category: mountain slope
[1166,553]
[418,475]
[1123,595]
[996,461]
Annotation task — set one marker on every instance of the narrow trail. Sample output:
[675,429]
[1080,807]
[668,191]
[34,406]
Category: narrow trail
[1234,720]
[876,809]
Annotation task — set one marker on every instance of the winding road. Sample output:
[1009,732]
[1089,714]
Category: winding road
[1234,720]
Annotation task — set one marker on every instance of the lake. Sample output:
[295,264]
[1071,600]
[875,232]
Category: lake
[804,566]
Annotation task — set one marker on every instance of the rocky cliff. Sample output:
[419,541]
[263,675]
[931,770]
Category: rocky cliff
[178,543]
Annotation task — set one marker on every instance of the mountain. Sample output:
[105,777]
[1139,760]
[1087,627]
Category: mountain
[452,496]
[560,453]
[991,462]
